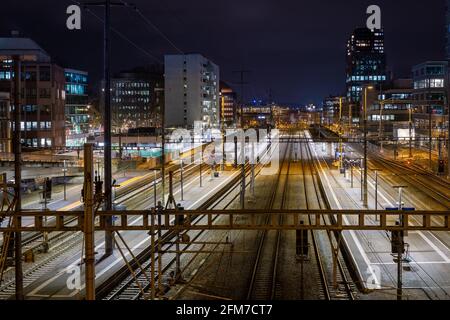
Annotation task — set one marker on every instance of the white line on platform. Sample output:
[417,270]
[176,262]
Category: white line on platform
[420,233]
[352,233]
[412,262]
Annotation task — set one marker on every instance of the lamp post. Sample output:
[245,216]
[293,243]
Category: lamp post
[365,199]
[400,248]
[341,159]
[377,170]
[64,171]
[181,178]
[448,133]
[154,185]
[380,128]
[410,131]
[430,135]
[400,198]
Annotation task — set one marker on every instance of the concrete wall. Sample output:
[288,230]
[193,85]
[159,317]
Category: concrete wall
[174,89]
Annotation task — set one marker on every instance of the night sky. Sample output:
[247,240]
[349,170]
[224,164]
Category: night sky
[295,48]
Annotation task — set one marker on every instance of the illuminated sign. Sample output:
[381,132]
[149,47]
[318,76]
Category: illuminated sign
[404,133]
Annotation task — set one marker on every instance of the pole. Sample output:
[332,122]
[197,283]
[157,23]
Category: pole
[399,259]
[362,184]
[242,83]
[181,183]
[302,253]
[243,186]
[223,148]
[18,179]
[154,188]
[439,149]
[253,180]
[399,273]
[45,243]
[448,134]
[350,119]
[410,132]
[171,200]
[395,149]
[201,163]
[381,126]
[107,128]
[235,153]
[64,170]
[376,190]
[163,153]
[430,140]
[365,201]
[341,159]
[152,245]
[89,222]
[351,168]
[242,160]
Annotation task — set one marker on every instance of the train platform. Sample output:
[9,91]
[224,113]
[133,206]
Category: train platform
[427,254]
[54,284]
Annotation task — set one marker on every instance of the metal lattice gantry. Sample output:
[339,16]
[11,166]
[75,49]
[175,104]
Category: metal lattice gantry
[340,220]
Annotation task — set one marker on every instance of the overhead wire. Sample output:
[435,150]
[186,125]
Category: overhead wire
[120,34]
[152,25]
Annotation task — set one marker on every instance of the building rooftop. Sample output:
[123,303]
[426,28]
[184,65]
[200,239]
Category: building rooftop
[25,47]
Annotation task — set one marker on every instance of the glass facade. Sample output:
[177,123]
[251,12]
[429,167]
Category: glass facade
[430,98]
[130,101]
[136,98]
[77,109]
[366,62]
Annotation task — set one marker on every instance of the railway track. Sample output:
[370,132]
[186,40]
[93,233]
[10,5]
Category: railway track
[123,195]
[438,189]
[69,246]
[338,286]
[62,244]
[34,240]
[262,284]
[124,286]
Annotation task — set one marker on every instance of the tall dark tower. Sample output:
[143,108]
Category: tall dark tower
[366,61]
[366,65]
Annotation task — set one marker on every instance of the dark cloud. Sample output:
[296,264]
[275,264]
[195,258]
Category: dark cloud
[296,48]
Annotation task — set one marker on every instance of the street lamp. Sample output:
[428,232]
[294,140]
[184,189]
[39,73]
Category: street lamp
[446,105]
[377,170]
[410,131]
[154,184]
[341,159]
[181,178]
[400,198]
[380,128]
[365,199]
[65,171]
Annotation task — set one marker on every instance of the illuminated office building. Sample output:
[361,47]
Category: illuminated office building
[42,92]
[192,91]
[366,65]
[77,107]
